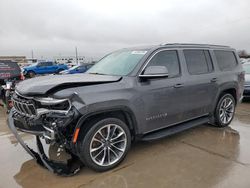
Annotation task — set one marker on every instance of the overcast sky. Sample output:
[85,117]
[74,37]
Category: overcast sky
[54,27]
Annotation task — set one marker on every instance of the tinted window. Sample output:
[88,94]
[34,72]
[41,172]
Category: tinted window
[42,64]
[198,61]
[88,66]
[82,68]
[8,69]
[49,63]
[226,59]
[169,59]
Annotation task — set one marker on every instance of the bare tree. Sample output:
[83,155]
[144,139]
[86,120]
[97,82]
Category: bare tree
[243,54]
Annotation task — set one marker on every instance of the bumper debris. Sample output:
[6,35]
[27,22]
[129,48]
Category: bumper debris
[70,168]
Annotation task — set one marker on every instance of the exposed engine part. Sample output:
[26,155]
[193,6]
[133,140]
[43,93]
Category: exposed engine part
[70,168]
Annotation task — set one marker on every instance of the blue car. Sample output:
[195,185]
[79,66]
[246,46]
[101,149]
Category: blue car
[45,67]
[77,69]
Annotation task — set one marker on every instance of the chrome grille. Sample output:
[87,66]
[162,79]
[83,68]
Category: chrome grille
[24,106]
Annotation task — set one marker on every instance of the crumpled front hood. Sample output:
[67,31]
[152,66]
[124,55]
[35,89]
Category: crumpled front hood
[45,84]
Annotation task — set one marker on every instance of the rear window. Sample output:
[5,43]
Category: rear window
[9,69]
[226,59]
[198,61]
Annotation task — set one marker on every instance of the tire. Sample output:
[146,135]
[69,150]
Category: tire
[58,71]
[224,113]
[31,74]
[105,159]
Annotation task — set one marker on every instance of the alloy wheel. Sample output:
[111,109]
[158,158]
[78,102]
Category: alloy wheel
[226,110]
[108,145]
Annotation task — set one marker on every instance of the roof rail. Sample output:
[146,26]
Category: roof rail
[192,44]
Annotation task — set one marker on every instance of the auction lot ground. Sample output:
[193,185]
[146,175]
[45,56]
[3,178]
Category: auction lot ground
[200,157]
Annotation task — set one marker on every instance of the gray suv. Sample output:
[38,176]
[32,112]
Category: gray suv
[143,93]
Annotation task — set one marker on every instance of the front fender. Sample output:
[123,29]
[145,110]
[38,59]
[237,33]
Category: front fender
[84,118]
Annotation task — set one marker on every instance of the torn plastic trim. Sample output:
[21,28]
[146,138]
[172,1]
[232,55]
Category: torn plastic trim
[70,168]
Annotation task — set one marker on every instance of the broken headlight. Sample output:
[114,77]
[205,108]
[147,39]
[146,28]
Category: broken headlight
[53,104]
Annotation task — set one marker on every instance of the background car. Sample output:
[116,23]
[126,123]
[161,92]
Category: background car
[10,74]
[246,93]
[45,67]
[77,69]
[137,93]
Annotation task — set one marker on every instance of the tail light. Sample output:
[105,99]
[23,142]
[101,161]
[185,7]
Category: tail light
[22,76]
[10,104]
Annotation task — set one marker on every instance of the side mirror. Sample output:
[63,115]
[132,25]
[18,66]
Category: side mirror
[155,72]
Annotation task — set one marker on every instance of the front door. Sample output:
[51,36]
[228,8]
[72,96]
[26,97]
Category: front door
[163,97]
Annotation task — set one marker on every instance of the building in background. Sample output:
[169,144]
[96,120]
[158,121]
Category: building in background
[70,60]
[21,60]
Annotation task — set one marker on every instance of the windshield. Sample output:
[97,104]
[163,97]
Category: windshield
[247,68]
[119,63]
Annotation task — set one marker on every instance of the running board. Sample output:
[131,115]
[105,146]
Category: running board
[174,129]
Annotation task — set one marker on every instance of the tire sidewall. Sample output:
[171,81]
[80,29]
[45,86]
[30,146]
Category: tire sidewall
[219,123]
[31,74]
[59,70]
[86,141]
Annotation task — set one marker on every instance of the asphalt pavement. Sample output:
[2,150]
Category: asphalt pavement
[200,157]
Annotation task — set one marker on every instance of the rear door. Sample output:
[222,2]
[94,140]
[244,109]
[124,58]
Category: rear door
[50,67]
[200,83]
[41,68]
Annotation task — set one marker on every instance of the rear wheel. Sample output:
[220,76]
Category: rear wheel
[225,109]
[58,71]
[31,74]
[105,144]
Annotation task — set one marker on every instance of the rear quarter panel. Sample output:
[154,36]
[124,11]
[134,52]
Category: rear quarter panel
[229,79]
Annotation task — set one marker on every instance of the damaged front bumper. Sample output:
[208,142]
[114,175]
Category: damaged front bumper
[70,168]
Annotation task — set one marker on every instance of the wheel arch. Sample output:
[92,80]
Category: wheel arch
[229,90]
[123,113]
[34,71]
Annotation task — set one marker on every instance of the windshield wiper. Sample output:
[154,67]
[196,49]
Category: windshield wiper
[97,73]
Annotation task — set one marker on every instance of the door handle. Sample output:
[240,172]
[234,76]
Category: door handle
[178,85]
[214,80]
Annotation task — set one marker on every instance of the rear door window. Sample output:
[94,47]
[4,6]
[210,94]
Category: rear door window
[48,63]
[226,59]
[198,61]
[42,64]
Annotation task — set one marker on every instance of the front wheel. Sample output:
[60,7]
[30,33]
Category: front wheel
[105,144]
[225,109]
